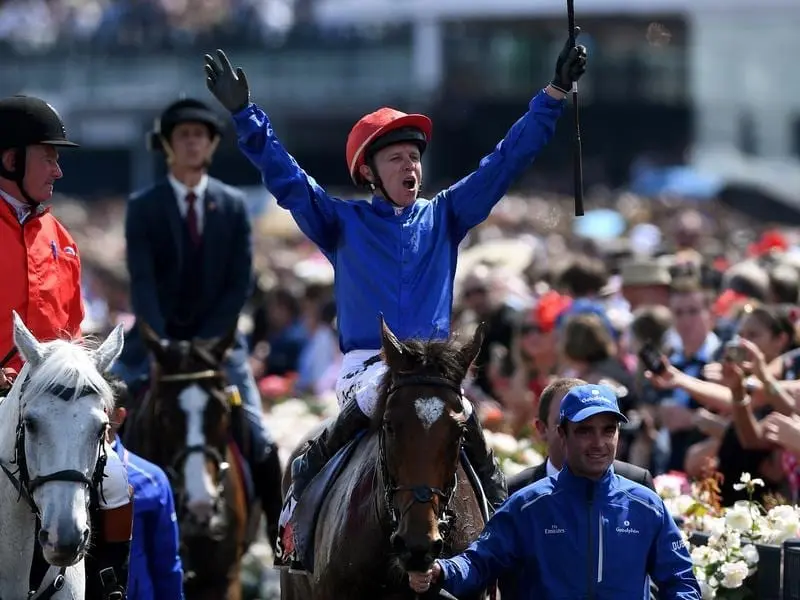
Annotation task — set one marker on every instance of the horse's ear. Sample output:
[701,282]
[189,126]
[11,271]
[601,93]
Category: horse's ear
[152,340]
[470,350]
[220,346]
[29,347]
[110,349]
[392,348]
[149,336]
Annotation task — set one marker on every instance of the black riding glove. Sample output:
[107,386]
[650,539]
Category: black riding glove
[229,88]
[570,66]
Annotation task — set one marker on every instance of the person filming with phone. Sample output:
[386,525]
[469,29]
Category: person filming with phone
[745,394]
[696,346]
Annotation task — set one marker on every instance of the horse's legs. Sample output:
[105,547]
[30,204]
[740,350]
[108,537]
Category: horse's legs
[234,589]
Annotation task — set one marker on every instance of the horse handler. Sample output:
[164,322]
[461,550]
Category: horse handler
[395,255]
[42,270]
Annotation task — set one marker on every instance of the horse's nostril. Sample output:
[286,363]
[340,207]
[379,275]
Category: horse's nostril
[437,546]
[85,536]
[43,537]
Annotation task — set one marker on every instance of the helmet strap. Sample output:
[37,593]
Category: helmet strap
[18,175]
[378,184]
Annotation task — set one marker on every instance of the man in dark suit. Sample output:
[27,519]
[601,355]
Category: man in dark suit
[189,254]
[547,426]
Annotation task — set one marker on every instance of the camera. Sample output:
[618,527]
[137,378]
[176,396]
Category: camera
[651,359]
[734,352]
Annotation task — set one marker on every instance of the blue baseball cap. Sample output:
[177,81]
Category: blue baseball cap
[584,401]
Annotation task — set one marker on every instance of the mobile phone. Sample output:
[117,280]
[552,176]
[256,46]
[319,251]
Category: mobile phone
[734,352]
[651,359]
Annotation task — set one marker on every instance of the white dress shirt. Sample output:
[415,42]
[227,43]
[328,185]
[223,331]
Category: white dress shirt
[21,208]
[551,469]
[180,194]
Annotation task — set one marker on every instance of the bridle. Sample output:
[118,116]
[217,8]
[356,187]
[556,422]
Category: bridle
[25,486]
[422,494]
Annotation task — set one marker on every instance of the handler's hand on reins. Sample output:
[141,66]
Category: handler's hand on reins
[231,89]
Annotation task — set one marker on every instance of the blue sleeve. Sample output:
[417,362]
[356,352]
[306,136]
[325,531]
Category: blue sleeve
[164,561]
[669,563]
[141,262]
[313,210]
[496,550]
[239,274]
[470,201]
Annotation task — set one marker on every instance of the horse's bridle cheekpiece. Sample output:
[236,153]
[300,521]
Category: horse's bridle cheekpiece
[25,486]
[422,494]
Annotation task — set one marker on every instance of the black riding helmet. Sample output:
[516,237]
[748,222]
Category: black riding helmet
[28,121]
[186,110]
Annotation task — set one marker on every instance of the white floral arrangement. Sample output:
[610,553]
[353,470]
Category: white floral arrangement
[723,565]
[514,455]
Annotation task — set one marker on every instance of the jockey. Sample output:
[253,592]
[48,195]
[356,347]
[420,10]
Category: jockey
[395,255]
[41,267]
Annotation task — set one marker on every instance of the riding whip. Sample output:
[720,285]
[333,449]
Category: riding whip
[577,160]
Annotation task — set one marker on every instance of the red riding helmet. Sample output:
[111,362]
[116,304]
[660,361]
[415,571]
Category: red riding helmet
[382,128]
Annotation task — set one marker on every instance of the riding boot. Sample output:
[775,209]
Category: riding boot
[483,461]
[305,467]
[350,421]
[267,478]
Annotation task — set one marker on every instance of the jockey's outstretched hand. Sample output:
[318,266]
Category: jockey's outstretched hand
[570,65]
[229,88]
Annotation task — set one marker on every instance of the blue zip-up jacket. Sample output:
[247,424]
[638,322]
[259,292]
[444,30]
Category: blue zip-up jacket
[398,262]
[155,571]
[570,537]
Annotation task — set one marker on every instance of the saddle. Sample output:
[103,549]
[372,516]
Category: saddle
[306,513]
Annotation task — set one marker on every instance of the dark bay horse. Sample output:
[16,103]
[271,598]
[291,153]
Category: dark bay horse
[184,426]
[403,499]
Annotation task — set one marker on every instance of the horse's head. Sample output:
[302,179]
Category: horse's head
[191,421]
[422,418]
[64,406]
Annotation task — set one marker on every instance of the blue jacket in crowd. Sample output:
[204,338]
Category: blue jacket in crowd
[397,262]
[569,537]
[155,571]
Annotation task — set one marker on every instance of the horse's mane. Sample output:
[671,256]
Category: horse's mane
[441,358]
[68,364]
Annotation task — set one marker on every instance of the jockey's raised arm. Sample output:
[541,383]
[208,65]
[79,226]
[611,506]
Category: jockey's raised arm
[312,208]
[470,200]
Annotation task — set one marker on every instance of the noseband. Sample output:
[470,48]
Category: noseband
[422,494]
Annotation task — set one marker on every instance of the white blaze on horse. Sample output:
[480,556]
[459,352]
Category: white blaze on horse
[52,431]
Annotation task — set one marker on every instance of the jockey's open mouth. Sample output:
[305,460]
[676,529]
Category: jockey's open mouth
[410,183]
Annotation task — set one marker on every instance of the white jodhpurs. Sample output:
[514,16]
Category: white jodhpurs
[360,377]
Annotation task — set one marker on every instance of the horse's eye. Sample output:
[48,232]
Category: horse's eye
[387,426]
[30,425]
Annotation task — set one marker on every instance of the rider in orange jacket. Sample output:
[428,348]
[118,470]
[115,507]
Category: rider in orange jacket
[41,268]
